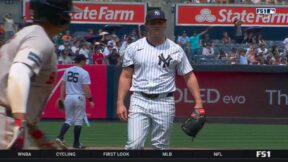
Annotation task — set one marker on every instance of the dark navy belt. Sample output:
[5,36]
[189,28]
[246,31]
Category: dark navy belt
[154,96]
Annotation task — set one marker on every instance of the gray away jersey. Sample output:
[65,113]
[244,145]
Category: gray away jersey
[32,47]
[75,77]
[155,67]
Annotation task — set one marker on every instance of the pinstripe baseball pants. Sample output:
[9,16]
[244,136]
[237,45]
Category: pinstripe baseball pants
[145,115]
[75,109]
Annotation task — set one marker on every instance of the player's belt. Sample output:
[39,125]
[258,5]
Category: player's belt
[154,96]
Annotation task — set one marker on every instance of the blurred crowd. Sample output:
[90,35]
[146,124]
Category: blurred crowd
[247,47]
[105,46]
[102,47]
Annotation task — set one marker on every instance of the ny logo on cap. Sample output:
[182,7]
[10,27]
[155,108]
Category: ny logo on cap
[156,13]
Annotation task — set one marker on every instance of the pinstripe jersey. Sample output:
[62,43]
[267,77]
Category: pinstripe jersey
[155,67]
[32,47]
[75,77]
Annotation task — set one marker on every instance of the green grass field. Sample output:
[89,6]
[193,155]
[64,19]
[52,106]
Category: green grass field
[212,136]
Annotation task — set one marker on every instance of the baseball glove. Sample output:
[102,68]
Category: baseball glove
[194,123]
[61,105]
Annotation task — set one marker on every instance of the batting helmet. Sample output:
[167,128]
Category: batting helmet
[54,11]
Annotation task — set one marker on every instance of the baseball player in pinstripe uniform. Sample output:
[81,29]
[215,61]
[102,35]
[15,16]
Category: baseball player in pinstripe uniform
[149,68]
[76,84]
[28,67]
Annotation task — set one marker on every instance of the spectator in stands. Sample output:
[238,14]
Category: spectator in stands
[222,54]
[239,1]
[262,50]
[9,26]
[65,58]
[232,55]
[57,39]
[208,49]
[107,51]
[90,34]
[194,41]
[211,1]
[76,47]
[238,31]
[125,43]
[67,37]
[113,41]
[98,57]
[192,1]
[242,57]
[224,1]
[206,40]
[63,47]
[256,1]
[249,38]
[226,39]
[251,55]
[133,35]
[84,50]
[275,50]
[283,61]
[115,37]
[114,57]
[260,39]
[183,41]
[271,1]
[285,42]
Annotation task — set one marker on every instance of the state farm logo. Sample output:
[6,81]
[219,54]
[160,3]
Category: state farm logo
[205,15]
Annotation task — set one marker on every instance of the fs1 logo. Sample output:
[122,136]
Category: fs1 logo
[265,11]
[263,154]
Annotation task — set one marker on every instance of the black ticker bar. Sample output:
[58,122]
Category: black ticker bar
[144,154]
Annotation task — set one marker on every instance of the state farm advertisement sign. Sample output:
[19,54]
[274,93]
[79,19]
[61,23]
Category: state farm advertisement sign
[197,15]
[104,13]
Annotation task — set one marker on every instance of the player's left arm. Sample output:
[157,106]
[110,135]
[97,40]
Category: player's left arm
[193,86]
[185,69]
[88,94]
[87,90]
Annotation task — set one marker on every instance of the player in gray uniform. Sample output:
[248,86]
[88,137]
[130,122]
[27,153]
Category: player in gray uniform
[76,84]
[149,68]
[28,67]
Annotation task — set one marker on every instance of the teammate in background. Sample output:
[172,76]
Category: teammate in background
[149,68]
[28,67]
[76,84]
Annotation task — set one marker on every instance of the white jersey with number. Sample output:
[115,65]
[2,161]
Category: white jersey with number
[75,77]
[32,47]
[155,67]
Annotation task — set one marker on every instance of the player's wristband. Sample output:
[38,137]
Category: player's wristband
[90,99]
[18,122]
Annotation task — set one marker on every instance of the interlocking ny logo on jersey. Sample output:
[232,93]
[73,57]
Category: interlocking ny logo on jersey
[164,61]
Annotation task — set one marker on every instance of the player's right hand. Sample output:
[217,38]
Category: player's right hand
[17,141]
[122,113]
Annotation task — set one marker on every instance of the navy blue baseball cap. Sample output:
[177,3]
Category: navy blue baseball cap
[155,14]
[80,58]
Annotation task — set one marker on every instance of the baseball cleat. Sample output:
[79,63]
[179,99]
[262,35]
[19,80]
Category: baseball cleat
[60,142]
[79,147]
